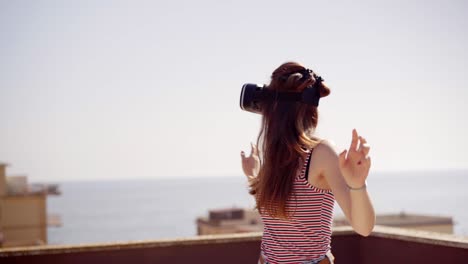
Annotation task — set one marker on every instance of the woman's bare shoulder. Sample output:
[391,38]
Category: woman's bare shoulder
[326,159]
[326,147]
[325,154]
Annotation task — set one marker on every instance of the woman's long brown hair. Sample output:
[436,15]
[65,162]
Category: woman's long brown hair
[286,135]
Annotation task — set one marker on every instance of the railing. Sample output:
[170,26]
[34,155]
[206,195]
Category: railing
[384,245]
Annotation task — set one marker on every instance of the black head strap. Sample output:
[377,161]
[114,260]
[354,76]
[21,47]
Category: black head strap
[306,74]
[310,95]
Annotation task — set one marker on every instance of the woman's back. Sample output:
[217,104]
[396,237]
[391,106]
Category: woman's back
[297,215]
[306,234]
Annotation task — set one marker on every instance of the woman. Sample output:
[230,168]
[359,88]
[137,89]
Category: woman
[296,177]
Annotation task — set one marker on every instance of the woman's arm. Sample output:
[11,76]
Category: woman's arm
[346,175]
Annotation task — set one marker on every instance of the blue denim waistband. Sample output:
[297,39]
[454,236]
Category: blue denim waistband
[315,261]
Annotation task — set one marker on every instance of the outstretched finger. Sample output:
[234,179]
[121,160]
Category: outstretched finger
[354,141]
[242,154]
[254,149]
[365,148]
[361,143]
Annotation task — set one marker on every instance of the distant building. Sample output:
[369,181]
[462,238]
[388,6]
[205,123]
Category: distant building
[3,185]
[232,220]
[236,220]
[23,217]
[441,224]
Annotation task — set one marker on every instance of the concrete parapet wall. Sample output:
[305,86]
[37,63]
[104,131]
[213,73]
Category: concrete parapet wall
[236,248]
[384,245]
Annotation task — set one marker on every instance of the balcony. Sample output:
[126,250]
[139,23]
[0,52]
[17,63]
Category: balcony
[384,245]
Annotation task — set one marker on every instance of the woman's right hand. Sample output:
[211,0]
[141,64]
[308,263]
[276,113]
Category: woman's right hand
[251,164]
[356,164]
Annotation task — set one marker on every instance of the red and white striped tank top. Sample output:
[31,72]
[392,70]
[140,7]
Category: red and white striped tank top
[306,235]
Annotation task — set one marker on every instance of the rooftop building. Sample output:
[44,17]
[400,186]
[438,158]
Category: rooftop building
[434,223]
[227,221]
[23,211]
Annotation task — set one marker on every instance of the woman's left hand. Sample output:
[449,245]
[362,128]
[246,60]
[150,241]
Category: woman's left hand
[356,165]
[251,164]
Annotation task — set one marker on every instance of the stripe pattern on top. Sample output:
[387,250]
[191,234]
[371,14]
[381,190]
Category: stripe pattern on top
[306,235]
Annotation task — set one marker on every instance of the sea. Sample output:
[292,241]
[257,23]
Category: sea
[147,209]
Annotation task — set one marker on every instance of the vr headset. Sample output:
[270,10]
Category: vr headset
[253,95]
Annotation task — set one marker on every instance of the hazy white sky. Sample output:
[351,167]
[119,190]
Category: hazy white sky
[149,89]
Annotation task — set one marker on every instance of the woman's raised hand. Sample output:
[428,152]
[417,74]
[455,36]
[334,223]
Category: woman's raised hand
[355,166]
[251,164]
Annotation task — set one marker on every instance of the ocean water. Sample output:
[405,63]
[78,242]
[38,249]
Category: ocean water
[126,210]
